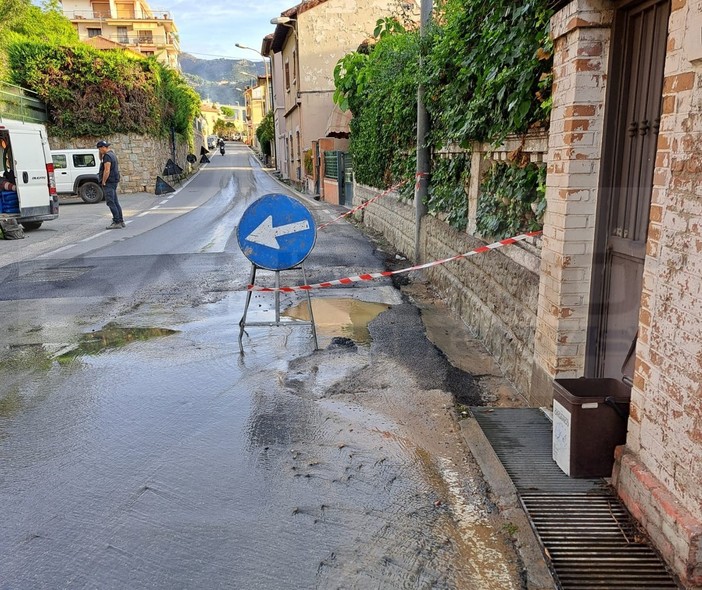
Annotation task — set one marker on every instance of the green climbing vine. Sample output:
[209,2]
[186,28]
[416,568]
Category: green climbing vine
[512,199]
[448,192]
[486,73]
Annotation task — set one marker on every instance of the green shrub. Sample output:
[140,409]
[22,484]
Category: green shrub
[92,92]
[488,67]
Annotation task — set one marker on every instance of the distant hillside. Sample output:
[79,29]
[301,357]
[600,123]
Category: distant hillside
[219,79]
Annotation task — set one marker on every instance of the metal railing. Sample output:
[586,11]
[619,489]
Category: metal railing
[21,104]
[157,40]
[104,14]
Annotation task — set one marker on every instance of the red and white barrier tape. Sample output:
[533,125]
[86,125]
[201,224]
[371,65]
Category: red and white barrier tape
[377,275]
[419,177]
[362,205]
[394,187]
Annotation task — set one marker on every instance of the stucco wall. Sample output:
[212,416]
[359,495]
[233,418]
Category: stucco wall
[495,293]
[141,158]
[327,32]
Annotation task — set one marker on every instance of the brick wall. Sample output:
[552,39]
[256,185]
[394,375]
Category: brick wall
[581,34]
[495,293]
[659,472]
[141,158]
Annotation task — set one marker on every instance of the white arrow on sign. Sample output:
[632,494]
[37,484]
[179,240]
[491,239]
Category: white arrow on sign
[265,234]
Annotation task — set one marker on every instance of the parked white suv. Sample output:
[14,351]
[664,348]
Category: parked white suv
[76,173]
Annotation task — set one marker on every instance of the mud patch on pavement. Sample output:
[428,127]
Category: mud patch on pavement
[399,333]
[395,394]
[316,376]
[110,337]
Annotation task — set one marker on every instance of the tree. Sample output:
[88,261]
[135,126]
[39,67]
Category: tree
[227,111]
[20,20]
[266,132]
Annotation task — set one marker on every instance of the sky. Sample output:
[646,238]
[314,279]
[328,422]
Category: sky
[210,29]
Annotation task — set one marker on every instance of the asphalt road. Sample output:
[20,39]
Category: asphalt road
[139,449]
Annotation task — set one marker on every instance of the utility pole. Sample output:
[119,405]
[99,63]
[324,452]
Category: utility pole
[421,187]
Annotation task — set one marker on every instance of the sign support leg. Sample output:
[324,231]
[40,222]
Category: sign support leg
[309,304]
[277,322]
[242,322]
[277,297]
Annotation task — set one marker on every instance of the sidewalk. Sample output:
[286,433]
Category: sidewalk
[465,352]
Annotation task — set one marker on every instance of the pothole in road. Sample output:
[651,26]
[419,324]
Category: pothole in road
[110,337]
[342,316]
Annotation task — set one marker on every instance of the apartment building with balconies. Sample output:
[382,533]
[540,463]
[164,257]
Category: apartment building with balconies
[132,24]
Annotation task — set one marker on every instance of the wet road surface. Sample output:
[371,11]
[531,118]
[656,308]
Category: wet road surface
[139,449]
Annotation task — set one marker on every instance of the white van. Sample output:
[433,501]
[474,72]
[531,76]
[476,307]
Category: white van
[76,173]
[25,160]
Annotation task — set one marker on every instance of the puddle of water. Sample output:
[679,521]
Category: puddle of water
[10,403]
[112,336]
[341,316]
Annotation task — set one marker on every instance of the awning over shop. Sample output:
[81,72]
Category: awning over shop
[338,123]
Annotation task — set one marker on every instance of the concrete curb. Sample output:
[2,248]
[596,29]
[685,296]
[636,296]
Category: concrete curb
[504,494]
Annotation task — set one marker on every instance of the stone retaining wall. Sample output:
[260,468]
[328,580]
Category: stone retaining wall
[141,158]
[495,293]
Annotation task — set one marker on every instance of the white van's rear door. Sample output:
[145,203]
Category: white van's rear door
[30,169]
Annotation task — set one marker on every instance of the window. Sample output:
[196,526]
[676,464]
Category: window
[287,76]
[101,9]
[294,60]
[83,160]
[94,32]
[122,35]
[291,151]
[60,162]
[146,37]
[148,53]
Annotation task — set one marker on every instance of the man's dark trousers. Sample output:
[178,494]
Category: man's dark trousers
[110,191]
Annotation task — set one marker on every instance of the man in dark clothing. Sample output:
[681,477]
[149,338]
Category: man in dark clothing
[109,177]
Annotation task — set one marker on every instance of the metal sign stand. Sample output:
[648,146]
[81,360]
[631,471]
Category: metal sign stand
[243,323]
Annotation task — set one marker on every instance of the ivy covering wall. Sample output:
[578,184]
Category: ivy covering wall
[487,74]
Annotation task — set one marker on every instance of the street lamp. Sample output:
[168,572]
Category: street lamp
[267,72]
[282,20]
[286,21]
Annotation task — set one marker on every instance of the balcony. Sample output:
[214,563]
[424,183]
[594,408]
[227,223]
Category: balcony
[132,40]
[162,15]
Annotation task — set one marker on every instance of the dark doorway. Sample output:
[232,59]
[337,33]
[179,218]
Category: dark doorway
[631,135]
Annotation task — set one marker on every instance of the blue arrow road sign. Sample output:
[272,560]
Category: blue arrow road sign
[276,232]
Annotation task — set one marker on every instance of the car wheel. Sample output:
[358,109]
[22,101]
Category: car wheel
[90,192]
[30,225]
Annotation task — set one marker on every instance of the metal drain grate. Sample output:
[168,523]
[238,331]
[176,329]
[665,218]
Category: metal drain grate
[588,535]
[521,438]
[593,543]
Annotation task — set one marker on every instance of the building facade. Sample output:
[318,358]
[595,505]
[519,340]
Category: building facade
[256,101]
[312,37]
[132,24]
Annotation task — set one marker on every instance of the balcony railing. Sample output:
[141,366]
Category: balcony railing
[105,14]
[136,40]
[21,104]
